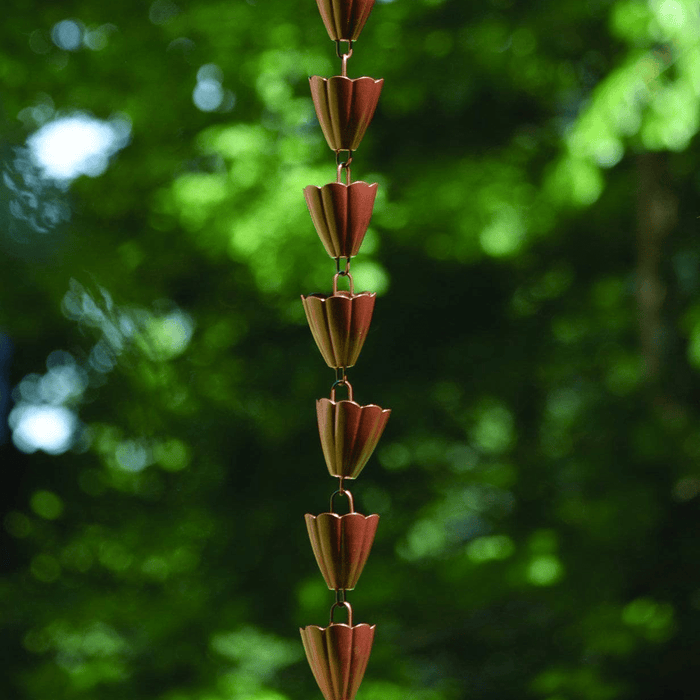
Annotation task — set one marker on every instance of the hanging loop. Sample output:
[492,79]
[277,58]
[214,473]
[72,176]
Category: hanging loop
[346,270]
[343,273]
[343,55]
[347,494]
[341,382]
[343,165]
[345,605]
[339,51]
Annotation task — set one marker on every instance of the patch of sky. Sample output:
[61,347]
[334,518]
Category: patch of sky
[39,113]
[209,94]
[43,418]
[68,34]
[71,35]
[35,205]
[132,456]
[41,427]
[162,333]
[77,144]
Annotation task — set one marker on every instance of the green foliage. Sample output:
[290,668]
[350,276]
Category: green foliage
[539,348]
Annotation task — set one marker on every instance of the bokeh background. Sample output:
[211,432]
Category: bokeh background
[537,334]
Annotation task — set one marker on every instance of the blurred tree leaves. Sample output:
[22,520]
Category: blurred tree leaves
[538,480]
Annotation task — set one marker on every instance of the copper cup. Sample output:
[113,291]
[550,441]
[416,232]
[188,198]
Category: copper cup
[344,108]
[344,19]
[341,545]
[341,214]
[338,655]
[339,323]
[349,433]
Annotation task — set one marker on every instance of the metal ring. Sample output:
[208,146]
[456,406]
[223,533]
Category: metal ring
[343,165]
[345,605]
[346,271]
[339,173]
[338,51]
[348,159]
[346,493]
[342,382]
[343,274]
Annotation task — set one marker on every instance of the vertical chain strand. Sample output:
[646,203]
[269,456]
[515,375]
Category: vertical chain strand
[339,323]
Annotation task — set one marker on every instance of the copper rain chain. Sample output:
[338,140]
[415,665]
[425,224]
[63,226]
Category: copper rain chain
[338,654]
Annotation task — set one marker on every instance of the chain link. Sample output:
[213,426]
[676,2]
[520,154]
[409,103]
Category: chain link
[343,492]
[343,165]
[343,56]
[345,272]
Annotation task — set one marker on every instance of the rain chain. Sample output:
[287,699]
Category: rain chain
[339,322]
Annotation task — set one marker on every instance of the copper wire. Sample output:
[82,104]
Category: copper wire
[343,165]
[341,382]
[343,273]
[347,606]
[347,494]
[343,56]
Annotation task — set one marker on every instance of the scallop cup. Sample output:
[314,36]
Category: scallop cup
[341,544]
[345,107]
[341,214]
[349,433]
[338,655]
[344,19]
[339,323]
